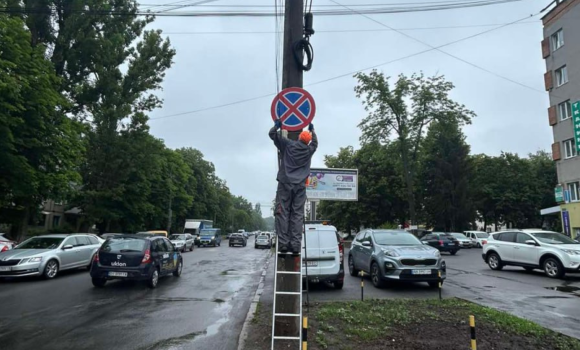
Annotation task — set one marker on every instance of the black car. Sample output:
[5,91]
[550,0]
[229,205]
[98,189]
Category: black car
[442,241]
[238,239]
[135,257]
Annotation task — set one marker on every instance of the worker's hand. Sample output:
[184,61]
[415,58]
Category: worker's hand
[278,124]
[311,127]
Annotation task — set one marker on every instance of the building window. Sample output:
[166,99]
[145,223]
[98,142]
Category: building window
[569,149]
[55,221]
[573,188]
[561,76]
[557,40]
[565,110]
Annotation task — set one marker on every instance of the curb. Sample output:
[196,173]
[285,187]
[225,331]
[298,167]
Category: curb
[253,306]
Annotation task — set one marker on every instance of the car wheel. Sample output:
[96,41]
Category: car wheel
[50,270]
[153,279]
[179,268]
[494,261]
[435,284]
[553,268]
[191,248]
[453,252]
[478,245]
[353,271]
[338,285]
[529,269]
[376,276]
[99,282]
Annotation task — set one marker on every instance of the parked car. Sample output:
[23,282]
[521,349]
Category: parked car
[5,243]
[324,256]
[552,252]
[210,237]
[47,255]
[441,241]
[478,238]
[182,241]
[136,257]
[464,242]
[263,241]
[238,239]
[395,255]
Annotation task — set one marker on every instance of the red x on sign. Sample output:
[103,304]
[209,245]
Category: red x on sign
[294,107]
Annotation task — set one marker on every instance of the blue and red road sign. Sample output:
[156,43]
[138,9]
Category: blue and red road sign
[294,107]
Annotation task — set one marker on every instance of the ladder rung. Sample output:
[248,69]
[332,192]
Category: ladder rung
[287,315]
[289,272]
[288,293]
[287,338]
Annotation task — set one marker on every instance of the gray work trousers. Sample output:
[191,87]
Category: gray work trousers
[290,199]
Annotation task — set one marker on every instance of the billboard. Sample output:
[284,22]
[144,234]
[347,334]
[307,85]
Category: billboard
[332,184]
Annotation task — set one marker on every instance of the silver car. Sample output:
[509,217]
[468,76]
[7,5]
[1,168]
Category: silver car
[47,255]
[395,255]
[182,241]
[464,242]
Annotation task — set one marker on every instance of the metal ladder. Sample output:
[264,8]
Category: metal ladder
[279,334]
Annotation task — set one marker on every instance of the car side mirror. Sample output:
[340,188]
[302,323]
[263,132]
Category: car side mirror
[531,242]
[425,242]
[67,247]
[366,244]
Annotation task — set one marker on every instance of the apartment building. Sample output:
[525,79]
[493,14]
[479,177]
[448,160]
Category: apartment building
[561,51]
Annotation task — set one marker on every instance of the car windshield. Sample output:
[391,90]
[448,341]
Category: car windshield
[552,238]
[4,239]
[177,237]
[482,235]
[395,238]
[123,245]
[458,235]
[262,237]
[41,243]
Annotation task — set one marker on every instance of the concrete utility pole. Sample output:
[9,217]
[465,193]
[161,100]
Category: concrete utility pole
[291,77]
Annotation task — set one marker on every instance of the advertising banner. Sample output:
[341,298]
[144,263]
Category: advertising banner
[566,222]
[332,184]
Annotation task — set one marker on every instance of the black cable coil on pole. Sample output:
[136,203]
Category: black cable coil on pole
[304,45]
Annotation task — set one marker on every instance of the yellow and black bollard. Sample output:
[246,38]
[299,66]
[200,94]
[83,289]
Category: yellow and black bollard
[305,333]
[472,326]
[440,283]
[362,286]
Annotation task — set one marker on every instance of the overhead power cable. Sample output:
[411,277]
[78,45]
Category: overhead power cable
[349,74]
[439,49]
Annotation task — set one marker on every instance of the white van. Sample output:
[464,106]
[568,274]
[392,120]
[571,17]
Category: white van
[324,255]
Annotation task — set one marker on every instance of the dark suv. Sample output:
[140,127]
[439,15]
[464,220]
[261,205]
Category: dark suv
[444,242]
[136,257]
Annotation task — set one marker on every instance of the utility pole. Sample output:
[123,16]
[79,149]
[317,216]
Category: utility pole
[291,77]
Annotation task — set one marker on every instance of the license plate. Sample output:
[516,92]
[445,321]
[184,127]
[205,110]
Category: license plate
[420,272]
[118,274]
[5,268]
[311,263]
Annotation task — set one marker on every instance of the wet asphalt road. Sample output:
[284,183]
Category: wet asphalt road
[530,295]
[203,309]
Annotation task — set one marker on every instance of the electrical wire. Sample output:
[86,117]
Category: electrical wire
[350,74]
[444,52]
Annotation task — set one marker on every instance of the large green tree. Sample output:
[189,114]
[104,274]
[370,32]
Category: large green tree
[39,145]
[403,111]
[445,175]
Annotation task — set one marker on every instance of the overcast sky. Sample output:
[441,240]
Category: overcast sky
[216,69]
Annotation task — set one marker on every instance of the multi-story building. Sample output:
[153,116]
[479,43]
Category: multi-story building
[561,50]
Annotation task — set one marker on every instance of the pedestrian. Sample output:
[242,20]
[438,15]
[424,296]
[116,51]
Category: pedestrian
[295,157]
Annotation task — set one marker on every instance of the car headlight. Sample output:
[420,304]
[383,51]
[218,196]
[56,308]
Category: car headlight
[437,253]
[391,253]
[571,252]
[35,259]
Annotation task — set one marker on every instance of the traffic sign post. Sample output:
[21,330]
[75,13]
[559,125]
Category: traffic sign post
[294,107]
[576,122]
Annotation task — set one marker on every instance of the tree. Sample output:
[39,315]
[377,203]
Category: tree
[39,145]
[445,172]
[406,110]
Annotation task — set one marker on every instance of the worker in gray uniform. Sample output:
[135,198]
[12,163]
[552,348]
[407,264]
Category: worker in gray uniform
[295,157]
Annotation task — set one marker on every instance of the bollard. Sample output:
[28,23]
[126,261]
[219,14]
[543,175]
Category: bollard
[305,333]
[362,286]
[440,284]
[472,326]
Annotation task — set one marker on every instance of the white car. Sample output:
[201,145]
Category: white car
[324,255]
[478,238]
[5,243]
[182,241]
[551,252]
